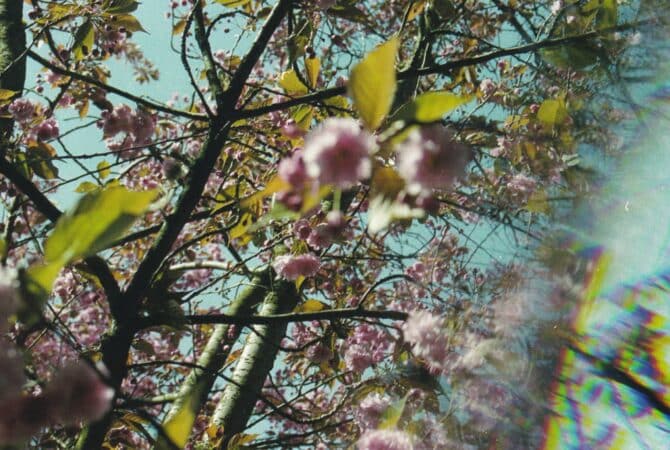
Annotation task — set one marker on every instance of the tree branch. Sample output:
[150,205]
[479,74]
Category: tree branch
[331,314]
[114,90]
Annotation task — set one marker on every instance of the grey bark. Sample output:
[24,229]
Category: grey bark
[199,382]
[257,359]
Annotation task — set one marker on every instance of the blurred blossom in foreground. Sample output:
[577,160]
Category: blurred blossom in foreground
[612,388]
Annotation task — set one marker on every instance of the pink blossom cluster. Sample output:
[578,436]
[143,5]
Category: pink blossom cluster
[424,331]
[370,410]
[75,394]
[430,158]
[323,234]
[367,345]
[488,87]
[46,130]
[385,440]
[138,126]
[291,267]
[22,110]
[521,187]
[337,152]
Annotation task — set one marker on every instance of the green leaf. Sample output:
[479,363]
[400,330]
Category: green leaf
[392,415]
[40,158]
[127,21]
[99,218]
[84,38]
[36,283]
[290,82]
[233,3]
[348,12]
[104,169]
[120,6]
[372,84]
[552,112]
[6,94]
[310,305]
[179,427]
[431,106]
[313,67]
[577,57]
[384,211]
[86,186]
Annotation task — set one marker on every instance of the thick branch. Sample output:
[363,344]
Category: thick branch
[93,436]
[12,46]
[257,359]
[331,314]
[195,389]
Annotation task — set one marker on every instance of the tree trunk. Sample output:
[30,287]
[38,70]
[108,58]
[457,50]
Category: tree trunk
[196,387]
[257,359]
[12,60]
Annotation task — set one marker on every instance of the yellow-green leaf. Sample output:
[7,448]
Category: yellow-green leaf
[392,415]
[537,202]
[233,3]
[104,169]
[552,112]
[311,305]
[6,94]
[127,21]
[179,27]
[84,38]
[383,211]
[240,440]
[372,84]
[416,9]
[178,428]
[290,82]
[313,66]
[431,106]
[239,231]
[276,184]
[40,158]
[120,6]
[86,186]
[99,218]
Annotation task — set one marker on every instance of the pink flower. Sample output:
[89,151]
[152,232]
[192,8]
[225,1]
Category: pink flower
[423,331]
[290,267]
[385,440]
[319,353]
[522,186]
[138,126]
[22,110]
[47,130]
[430,158]
[292,170]
[302,229]
[488,87]
[117,121]
[77,393]
[338,152]
[366,346]
[371,409]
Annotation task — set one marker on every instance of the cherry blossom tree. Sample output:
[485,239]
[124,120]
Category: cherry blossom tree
[318,241]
